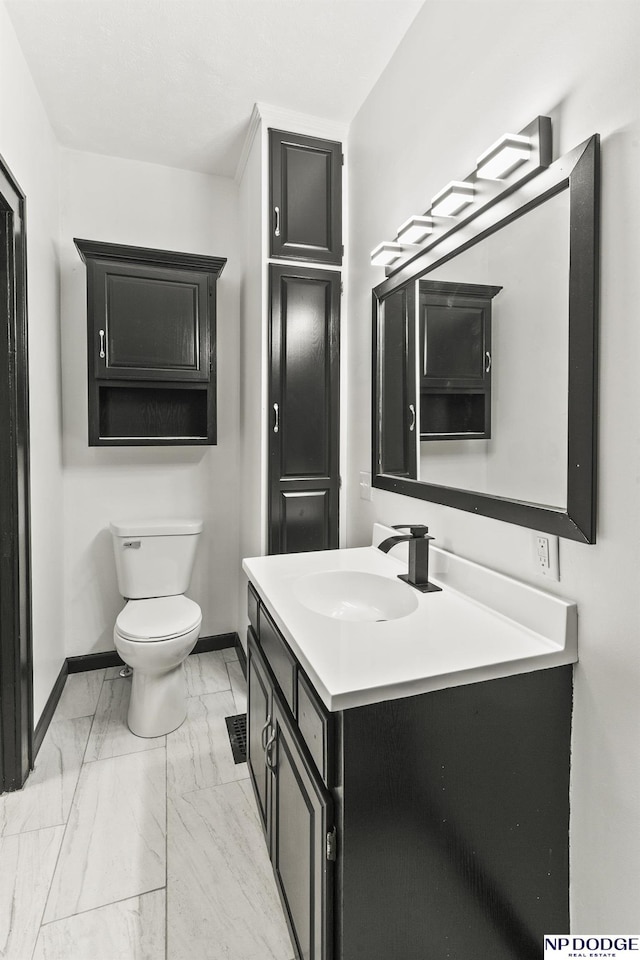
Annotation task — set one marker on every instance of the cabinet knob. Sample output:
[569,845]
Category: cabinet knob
[102,353]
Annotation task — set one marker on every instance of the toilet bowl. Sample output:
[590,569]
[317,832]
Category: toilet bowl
[154,637]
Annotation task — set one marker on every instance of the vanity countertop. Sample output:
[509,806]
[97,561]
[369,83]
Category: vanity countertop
[481,626]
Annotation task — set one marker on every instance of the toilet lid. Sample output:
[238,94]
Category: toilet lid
[159,618]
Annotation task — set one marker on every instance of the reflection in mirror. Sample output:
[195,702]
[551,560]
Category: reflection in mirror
[485,358]
[525,457]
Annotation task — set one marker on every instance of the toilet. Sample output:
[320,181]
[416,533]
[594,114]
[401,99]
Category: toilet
[158,627]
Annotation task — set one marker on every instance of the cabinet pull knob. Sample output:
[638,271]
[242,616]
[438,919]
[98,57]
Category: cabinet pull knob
[488,363]
[267,752]
[263,739]
[276,210]
[412,410]
[276,421]
[102,353]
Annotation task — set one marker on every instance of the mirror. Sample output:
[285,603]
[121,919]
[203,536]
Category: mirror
[485,359]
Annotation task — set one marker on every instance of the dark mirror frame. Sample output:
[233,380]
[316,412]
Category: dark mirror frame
[579,172]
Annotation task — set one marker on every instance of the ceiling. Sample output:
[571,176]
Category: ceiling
[174,81]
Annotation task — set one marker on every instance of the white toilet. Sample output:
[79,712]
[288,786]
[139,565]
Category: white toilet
[159,626]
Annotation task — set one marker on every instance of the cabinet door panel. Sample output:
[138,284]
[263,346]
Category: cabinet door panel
[300,819]
[397,441]
[258,715]
[154,323]
[306,198]
[304,407]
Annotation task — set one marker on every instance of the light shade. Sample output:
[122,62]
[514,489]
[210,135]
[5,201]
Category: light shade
[385,253]
[415,229]
[503,157]
[452,199]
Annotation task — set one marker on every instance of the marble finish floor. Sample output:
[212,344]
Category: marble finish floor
[120,848]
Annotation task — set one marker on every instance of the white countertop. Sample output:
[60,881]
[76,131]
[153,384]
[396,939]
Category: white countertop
[481,626]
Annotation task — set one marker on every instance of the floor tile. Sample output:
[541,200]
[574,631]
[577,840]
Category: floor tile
[113,673]
[229,653]
[238,685]
[80,695]
[198,753]
[132,929]
[114,845]
[28,861]
[110,736]
[222,902]
[45,799]
[206,673]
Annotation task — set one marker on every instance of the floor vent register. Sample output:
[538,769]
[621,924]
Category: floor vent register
[237,730]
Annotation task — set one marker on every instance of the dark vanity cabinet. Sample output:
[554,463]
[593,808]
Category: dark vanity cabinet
[151,338]
[424,827]
[305,198]
[454,360]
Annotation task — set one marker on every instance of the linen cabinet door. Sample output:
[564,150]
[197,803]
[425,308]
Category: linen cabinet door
[302,841]
[304,409]
[259,707]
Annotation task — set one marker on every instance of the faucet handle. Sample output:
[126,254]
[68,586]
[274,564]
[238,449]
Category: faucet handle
[416,530]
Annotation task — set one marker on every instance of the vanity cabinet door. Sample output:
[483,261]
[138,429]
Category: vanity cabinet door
[301,842]
[259,706]
[306,198]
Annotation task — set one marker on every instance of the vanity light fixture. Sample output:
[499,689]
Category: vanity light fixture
[415,229]
[385,253]
[501,159]
[452,199]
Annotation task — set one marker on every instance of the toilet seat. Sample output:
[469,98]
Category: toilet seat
[158,618]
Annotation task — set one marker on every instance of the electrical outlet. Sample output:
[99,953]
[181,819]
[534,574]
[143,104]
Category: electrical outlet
[546,555]
[365,486]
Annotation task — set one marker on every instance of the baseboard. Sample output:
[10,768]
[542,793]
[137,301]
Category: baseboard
[221,641]
[94,661]
[49,709]
[242,657]
[110,658]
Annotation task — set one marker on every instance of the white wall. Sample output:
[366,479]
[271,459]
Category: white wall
[29,148]
[465,74]
[144,204]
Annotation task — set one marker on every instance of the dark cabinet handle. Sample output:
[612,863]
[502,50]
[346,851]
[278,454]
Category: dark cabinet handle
[102,353]
[263,732]
[276,210]
[267,752]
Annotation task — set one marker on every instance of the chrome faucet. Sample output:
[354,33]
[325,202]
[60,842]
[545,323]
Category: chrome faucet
[418,538]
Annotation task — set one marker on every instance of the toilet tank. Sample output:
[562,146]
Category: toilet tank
[154,558]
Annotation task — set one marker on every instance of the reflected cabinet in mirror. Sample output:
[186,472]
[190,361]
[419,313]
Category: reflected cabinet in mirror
[484,393]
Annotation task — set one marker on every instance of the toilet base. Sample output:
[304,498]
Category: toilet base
[158,703]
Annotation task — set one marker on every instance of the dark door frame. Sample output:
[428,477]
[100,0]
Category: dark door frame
[16,655]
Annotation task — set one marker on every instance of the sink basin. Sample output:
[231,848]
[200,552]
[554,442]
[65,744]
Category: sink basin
[351,595]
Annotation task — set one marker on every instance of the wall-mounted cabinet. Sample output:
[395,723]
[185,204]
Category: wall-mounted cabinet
[455,360]
[151,345]
[306,198]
